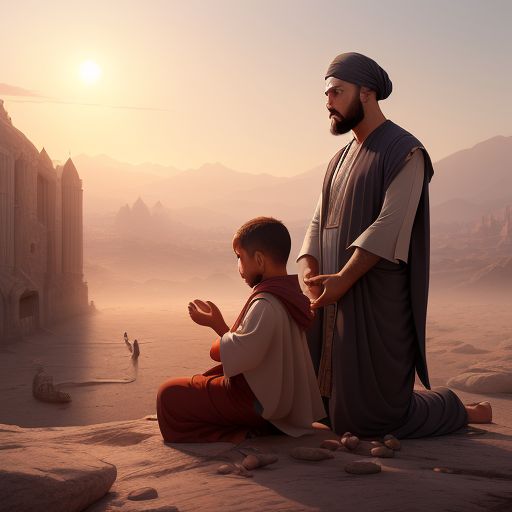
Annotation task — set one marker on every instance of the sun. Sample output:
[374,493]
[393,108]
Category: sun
[90,72]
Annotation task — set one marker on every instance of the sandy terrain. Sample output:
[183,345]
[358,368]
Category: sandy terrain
[92,347]
[465,337]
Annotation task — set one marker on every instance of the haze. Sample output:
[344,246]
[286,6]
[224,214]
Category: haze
[241,83]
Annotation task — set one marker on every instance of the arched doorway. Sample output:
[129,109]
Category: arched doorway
[29,312]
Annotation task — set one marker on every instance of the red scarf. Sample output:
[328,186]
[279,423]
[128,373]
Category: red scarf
[287,290]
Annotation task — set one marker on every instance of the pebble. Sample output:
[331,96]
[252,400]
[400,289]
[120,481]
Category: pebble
[444,470]
[392,442]
[251,462]
[330,444]
[145,493]
[350,442]
[307,453]
[362,467]
[259,460]
[240,470]
[267,458]
[225,469]
[383,452]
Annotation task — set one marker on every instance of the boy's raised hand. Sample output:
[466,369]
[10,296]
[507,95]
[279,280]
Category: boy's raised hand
[200,312]
[208,314]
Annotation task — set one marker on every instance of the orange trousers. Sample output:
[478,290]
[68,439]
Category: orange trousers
[209,407]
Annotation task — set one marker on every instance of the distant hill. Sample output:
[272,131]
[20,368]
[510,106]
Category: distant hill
[495,276]
[158,224]
[466,185]
[109,184]
[473,182]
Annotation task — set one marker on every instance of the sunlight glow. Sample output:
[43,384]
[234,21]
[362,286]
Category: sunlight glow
[90,72]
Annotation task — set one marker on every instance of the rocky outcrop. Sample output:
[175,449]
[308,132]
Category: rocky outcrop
[50,477]
[486,377]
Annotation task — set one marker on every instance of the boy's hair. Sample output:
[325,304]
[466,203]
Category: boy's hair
[267,235]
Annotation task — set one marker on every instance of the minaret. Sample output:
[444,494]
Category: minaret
[6,202]
[46,197]
[72,231]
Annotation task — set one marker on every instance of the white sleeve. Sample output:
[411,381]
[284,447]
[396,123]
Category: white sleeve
[389,236]
[311,244]
[244,349]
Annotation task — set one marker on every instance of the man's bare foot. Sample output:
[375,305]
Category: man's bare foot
[479,412]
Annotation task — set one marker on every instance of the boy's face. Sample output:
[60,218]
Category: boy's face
[251,267]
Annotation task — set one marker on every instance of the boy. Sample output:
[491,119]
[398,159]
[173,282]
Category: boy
[266,379]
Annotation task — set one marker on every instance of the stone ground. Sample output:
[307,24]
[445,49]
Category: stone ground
[476,471]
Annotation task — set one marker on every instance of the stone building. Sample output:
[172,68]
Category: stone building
[41,236]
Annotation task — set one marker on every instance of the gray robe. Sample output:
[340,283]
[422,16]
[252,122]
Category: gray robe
[368,346]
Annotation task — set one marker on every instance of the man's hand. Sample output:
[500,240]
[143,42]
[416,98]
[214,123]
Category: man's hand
[336,285]
[208,314]
[308,268]
[332,292]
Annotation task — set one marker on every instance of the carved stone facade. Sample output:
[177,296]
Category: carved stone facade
[41,236]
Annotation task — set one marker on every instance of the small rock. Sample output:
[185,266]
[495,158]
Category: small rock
[350,442]
[144,493]
[450,471]
[312,454]
[225,469]
[362,467]
[267,458]
[383,452]
[240,470]
[392,442]
[259,460]
[330,444]
[251,462]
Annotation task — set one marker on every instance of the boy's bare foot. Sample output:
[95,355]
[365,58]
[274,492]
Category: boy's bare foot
[479,412]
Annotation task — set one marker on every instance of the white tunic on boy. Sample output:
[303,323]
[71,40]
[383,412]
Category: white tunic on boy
[271,351]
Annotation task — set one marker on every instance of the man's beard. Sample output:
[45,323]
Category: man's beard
[354,116]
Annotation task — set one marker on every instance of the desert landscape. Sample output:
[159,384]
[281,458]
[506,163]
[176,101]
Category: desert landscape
[469,348]
[97,438]
[135,139]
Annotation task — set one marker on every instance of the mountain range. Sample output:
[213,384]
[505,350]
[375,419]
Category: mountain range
[466,185]
[171,218]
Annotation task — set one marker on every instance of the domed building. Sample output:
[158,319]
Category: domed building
[41,236]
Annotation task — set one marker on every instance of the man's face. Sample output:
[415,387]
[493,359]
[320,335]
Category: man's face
[344,105]
[249,266]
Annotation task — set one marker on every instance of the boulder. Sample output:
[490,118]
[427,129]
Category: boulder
[52,478]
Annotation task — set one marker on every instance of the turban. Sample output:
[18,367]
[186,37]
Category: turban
[361,70]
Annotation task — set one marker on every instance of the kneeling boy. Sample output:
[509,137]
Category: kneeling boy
[266,379]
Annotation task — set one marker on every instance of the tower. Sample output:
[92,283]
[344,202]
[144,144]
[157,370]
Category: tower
[72,232]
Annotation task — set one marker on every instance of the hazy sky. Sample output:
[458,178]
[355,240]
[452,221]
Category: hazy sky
[241,82]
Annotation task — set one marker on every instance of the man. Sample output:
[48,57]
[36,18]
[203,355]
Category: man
[365,265]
